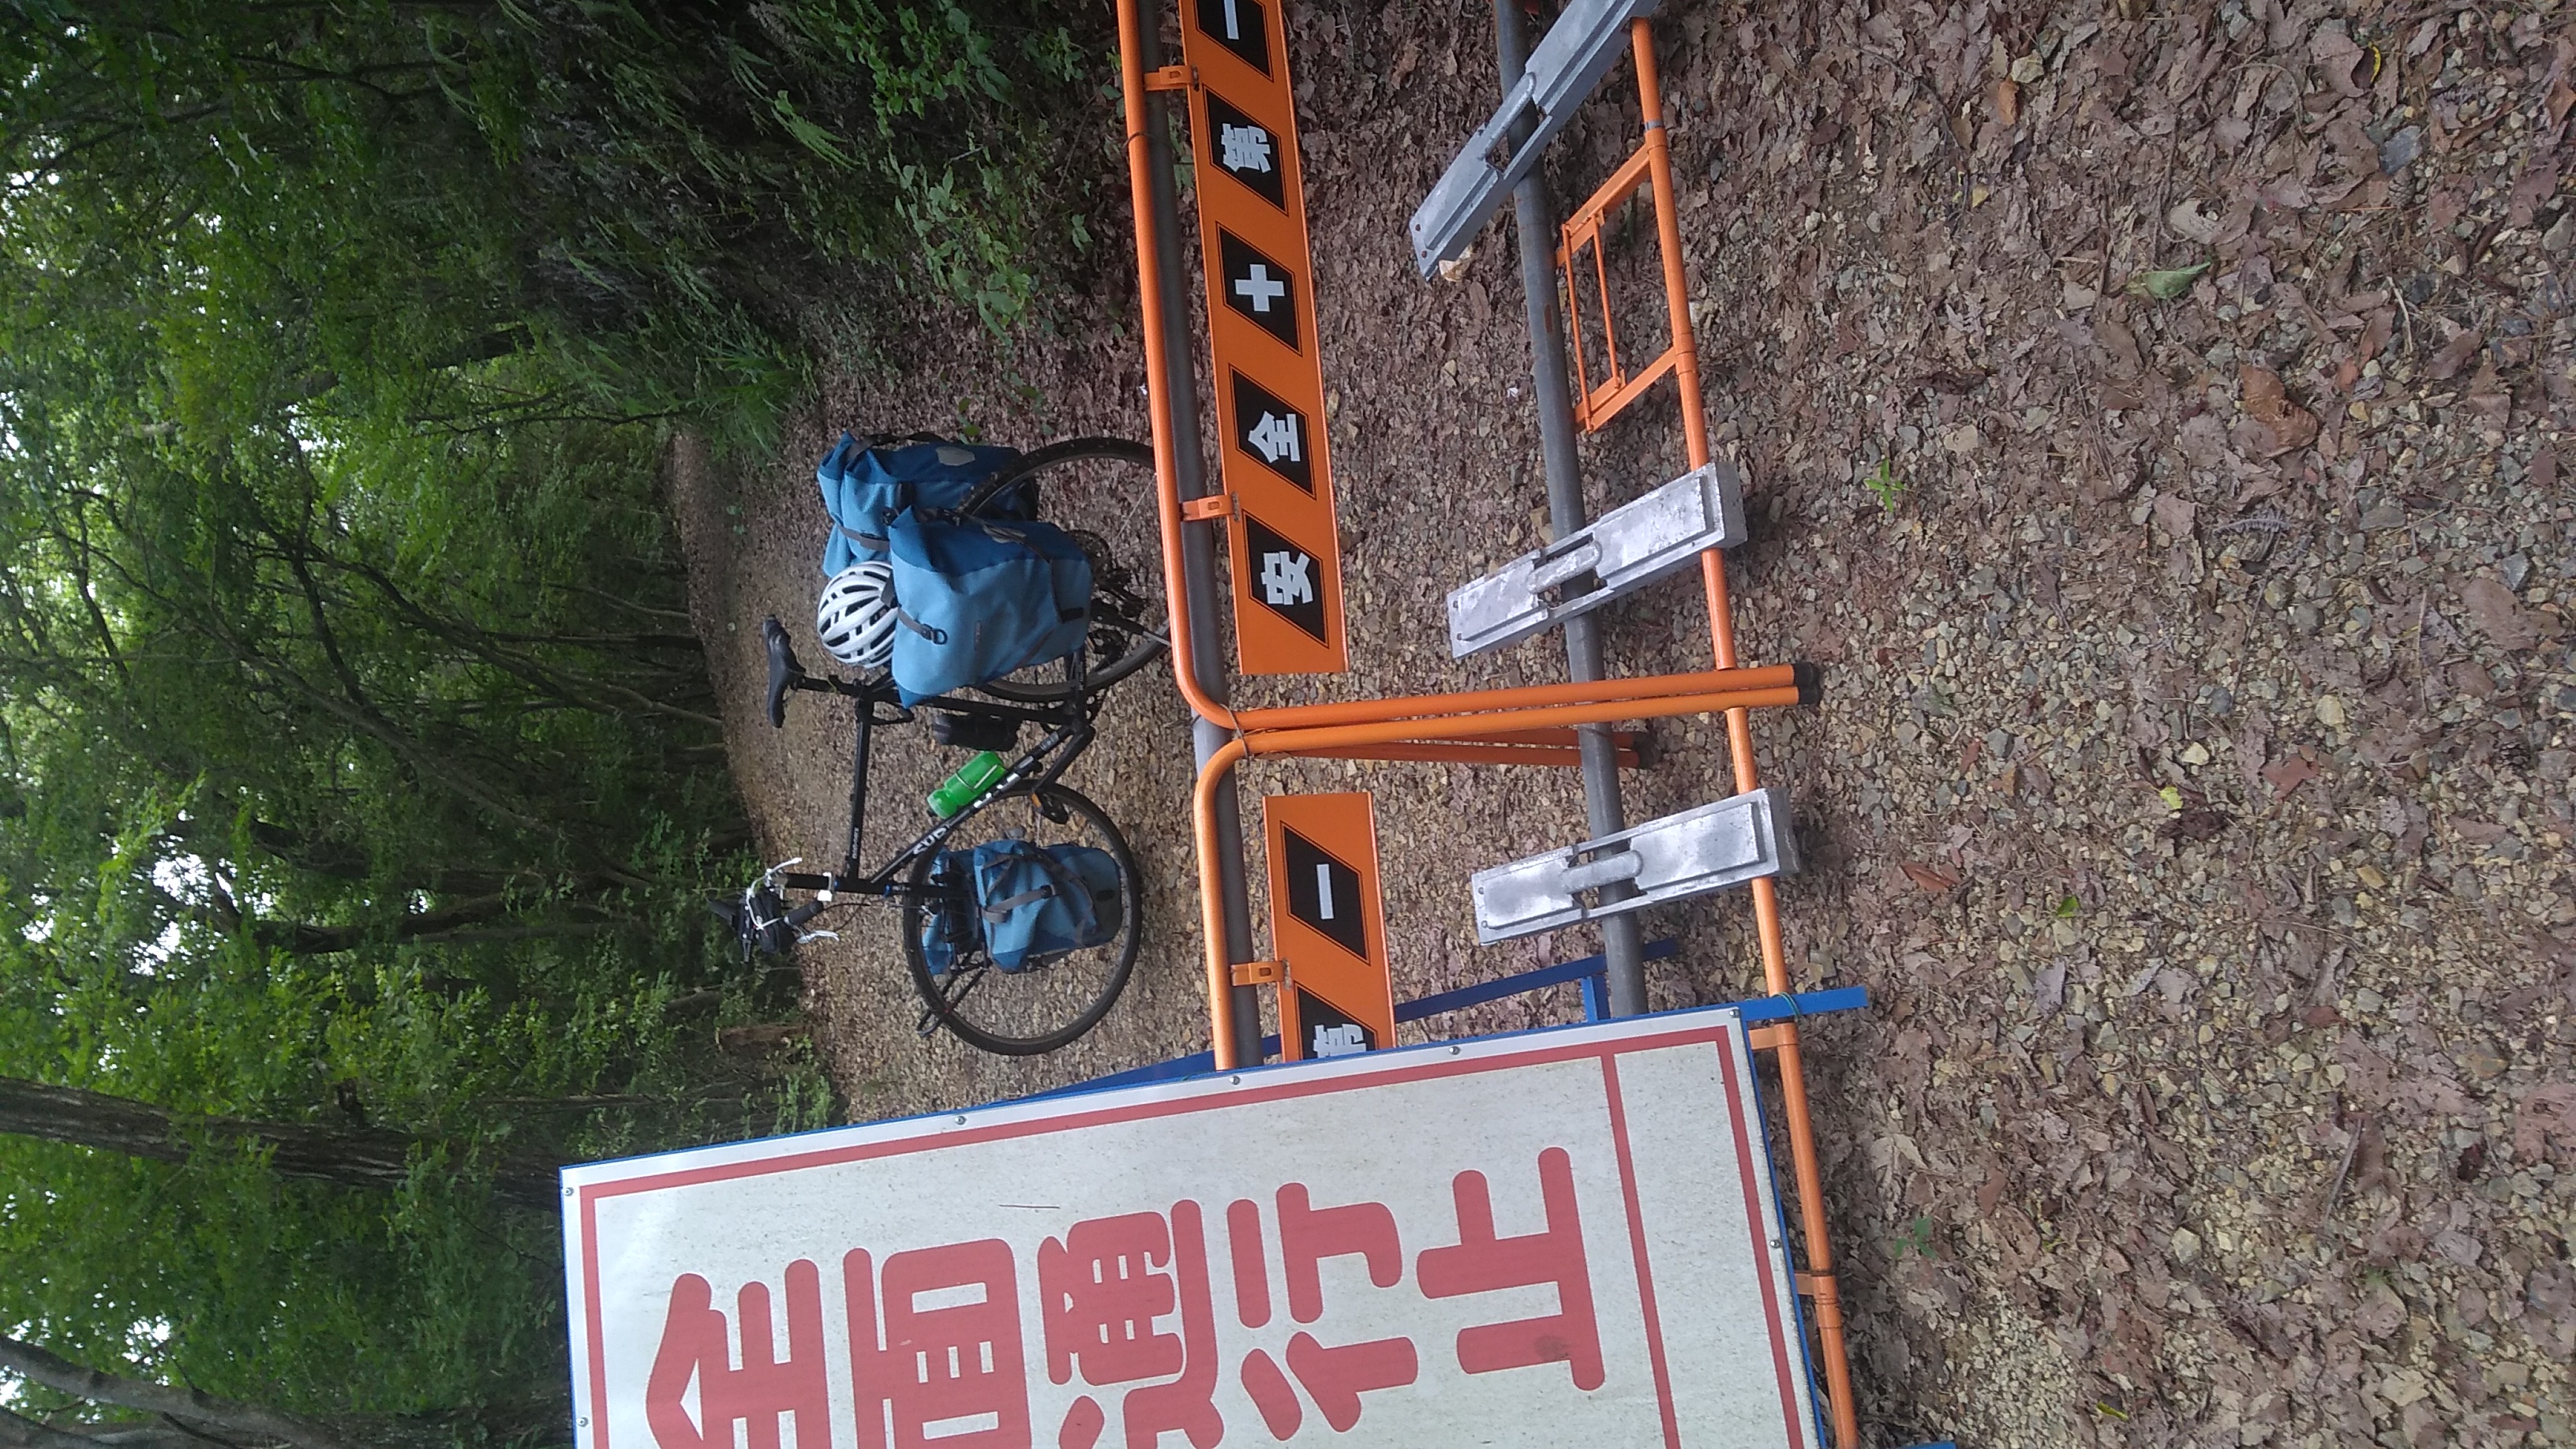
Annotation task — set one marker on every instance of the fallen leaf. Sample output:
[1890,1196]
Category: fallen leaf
[2340,62]
[2200,823]
[2543,468]
[2175,514]
[2487,398]
[2203,441]
[2191,223]
[2366,1073]
[2007,102]
[2290,773]
[2500,614]
[2264,400]
[1405,60]
[2530,192]
[2122,345]
[2048,989]
[2455,354]
[2164,286]
[1930,877]
[2546,1112]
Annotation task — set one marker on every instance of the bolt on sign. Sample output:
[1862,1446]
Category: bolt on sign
[1285,549]
[1558,1237]
[1328,925]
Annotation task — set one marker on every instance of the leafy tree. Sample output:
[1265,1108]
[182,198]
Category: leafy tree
[358,772]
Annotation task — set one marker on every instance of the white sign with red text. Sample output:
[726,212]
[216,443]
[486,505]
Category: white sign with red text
[1563,1237]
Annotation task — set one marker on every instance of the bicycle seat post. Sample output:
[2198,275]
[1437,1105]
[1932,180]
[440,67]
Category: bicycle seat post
[866,700]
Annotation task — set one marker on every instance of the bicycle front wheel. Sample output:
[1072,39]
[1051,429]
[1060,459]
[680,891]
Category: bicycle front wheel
[1100,490]
[1045,1004]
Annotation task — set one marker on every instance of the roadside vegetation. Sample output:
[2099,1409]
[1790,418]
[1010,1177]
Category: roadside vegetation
[360,783]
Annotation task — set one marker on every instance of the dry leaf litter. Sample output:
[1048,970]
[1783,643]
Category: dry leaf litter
[2153,418]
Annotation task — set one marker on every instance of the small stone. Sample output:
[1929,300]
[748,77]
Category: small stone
[2371,877]
[2481,1061]
[1962,439]
[2027,69]
[2186,1245]
[2561,234]
[2330,712]
[2399,151]
[2515,568]
[2195,754]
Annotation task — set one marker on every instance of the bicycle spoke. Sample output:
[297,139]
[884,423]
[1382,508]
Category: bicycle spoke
[1051,999]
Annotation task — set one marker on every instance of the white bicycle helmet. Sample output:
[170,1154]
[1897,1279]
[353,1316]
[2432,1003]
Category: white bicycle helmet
[855,616]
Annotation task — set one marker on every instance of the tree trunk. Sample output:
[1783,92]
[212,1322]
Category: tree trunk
[371,1158]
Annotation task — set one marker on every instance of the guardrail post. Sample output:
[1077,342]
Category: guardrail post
[1534,218]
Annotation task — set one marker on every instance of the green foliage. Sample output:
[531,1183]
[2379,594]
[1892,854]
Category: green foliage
[1917,1239]
[1885,484]
[2164,286]
[356,761]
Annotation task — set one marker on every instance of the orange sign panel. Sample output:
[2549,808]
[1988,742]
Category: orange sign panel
[1328,925]
[1285,548]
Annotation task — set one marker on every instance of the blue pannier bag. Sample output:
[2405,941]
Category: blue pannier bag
[977,600]
[865,486]
[1038,902]
[949,926]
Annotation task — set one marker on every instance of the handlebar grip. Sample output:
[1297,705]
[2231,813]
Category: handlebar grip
[804,913]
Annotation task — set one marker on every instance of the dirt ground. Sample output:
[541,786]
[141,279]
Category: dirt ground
[2192,785]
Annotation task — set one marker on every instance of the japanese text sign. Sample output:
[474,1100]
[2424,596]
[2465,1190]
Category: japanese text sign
[1560,1237]
[1286,548]
[1328,925]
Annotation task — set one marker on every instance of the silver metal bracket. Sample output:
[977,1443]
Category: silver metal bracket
[1625,550]
[1723,843]
[1578,50]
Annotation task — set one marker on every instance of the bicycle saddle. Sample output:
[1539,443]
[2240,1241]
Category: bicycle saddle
[784,672]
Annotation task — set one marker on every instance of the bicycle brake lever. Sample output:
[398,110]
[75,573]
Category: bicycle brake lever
[770,876]
[818,936]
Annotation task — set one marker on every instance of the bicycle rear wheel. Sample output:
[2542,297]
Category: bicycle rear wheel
[1100,490]
[1036,1008]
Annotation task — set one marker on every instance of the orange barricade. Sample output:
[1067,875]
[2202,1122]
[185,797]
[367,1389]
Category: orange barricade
[1528,725]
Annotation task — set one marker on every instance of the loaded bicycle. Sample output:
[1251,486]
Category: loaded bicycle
[1020,903]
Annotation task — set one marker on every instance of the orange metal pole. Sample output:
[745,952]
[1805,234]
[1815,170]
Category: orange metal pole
[1366,711]
[1149,296]
[1470,753]
[1807,1171]
[1212,775]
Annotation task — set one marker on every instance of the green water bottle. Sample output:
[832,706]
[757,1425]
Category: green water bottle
[966,786]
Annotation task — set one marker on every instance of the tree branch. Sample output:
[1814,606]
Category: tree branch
[61,1374]
[20,1432]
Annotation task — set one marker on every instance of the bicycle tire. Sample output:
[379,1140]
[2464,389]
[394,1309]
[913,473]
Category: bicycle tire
[936,994]
[1140,646]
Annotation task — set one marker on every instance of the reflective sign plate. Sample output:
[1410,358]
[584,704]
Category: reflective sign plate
[1285,548]
[1328,925]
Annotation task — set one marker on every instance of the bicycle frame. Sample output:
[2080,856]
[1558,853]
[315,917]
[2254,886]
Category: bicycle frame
[1070,732]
